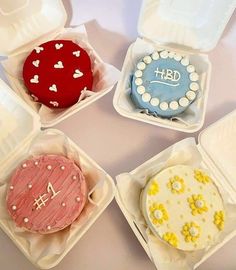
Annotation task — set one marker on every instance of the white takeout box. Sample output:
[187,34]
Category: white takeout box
[188,27]
[24,24]
[217,147]
[19,126]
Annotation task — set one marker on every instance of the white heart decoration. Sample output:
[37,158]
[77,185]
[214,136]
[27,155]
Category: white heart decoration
[39,49]
[78,74]
[54,103]
[53,88]
[59,46]
[35,79]
[76,53]
[36,63]
[59,64]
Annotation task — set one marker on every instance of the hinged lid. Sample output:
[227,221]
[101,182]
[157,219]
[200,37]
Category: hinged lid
[24,21]
[219,143]
[18,122]
[197,24]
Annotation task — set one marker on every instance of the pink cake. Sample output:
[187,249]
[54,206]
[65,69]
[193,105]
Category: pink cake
[46,194]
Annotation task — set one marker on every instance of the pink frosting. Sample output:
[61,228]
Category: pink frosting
[46,194]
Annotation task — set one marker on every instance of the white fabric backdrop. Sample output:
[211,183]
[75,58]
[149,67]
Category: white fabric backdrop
[120,144]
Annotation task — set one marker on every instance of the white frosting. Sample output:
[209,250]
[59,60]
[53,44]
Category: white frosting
[11,187]
[138,81]
[77,74]
[164,54]
[54,103]
[177,57]
[30,186]
[194,86]
[59,64]
[138,74]
[62,168]
[49,227]
[141,66]
[78,199]
[53,88]
[191,95]
[74,177]
[36,63]
[35,79]
[164,106]
[36,163]
[49,167]
[58,46]
[190,68]
[26,220]
[155,101]
[184,102]
[39,49]
[174,105]
[147,59]
[63,204]
[141,89]
[146,97]
[155,56]
[194,76]
[185,61]
[171,54]
[76,53]
[13,208]
[24,165]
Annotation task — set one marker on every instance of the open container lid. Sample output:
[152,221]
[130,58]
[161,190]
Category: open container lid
[24,22]
[219,143]
[197,24]
[18,123]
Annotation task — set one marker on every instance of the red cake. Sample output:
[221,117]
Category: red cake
[46,194]
[56,72]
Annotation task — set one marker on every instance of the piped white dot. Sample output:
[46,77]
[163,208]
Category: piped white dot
[154,101]
[138,81]
[11,187]
[146,97]
[185,61]
[30,186]
[62,168]
[78,199]
[177,57]
[147,59]
[194,76]
[141,66]
[26,220]
[49,167]
[164,106]
[138,74]
[174,105]
[141,89]
[155,56]
[24,165]
[171,54]
[13,207]
[164,54]
[63,204]
[48,227]
[190,68]
[194,86]
[191,95]
[36,163]
[184,102]
[74,177]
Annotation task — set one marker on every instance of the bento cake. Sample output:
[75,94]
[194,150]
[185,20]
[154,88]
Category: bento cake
[46,194]
[56,72]
[165,83]
[183,207]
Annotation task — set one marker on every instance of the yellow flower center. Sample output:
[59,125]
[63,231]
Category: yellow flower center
[176,186]
[193,231]
[199,203]
[158,214]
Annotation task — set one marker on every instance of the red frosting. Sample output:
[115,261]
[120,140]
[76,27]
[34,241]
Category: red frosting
[56,72]
[46,194]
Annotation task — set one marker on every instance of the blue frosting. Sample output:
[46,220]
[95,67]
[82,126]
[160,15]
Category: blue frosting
[165,79]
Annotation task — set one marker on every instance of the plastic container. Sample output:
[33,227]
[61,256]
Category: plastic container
[190,28]
[20,136]
[24,24]
[215,152]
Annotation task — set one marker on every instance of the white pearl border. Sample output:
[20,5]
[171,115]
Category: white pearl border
[184,101]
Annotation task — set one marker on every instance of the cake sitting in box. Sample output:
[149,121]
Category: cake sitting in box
[164,83]
[56,72]
[182,206]
[46,194]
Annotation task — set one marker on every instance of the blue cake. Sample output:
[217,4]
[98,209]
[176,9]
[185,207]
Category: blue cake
[164,83]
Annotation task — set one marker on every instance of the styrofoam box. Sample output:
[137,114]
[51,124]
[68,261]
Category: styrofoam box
[190,28]
[20,128]
[24,24]
[217,149]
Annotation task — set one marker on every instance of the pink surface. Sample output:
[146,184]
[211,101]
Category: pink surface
[46,194]
[119,144]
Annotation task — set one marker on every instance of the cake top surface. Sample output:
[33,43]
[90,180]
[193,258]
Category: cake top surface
[165,82]
[183,207]
[56,72]
[46,193]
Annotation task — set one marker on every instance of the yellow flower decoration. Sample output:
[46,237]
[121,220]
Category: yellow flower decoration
[158,214]
[201,177]
[176,185]
[219,220]
[191,232]
[171,238]
[153,189]
[197,204]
